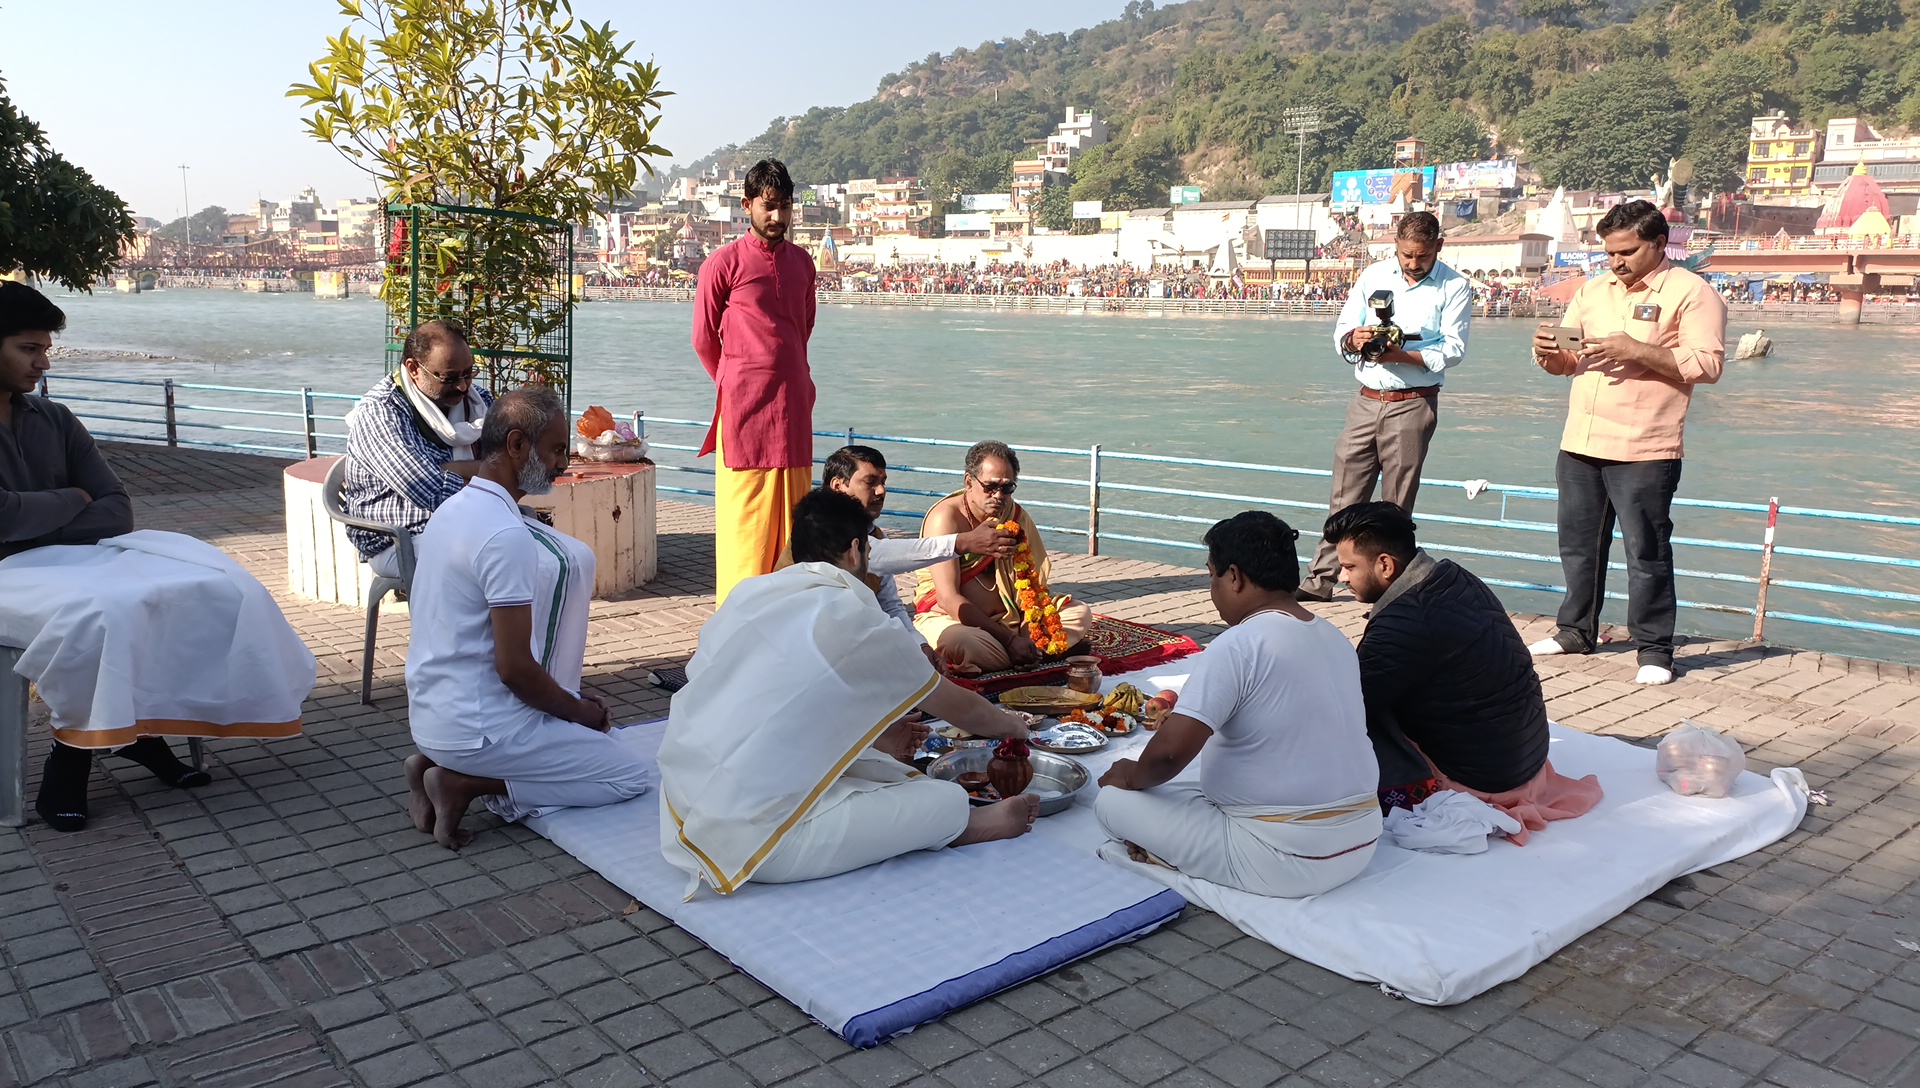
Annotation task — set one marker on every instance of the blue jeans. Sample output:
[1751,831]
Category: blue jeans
[1594,495]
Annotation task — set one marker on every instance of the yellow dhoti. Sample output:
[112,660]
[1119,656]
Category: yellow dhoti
[753,515]
[752,520]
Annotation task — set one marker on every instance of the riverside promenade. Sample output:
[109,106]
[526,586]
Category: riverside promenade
[286,925]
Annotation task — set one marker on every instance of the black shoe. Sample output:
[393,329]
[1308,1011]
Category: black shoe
[156,755]
[63,787]
[1315,596]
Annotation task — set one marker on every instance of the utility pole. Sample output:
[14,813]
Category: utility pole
[187,223]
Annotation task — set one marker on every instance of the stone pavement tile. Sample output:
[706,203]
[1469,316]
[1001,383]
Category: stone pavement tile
[1735,972]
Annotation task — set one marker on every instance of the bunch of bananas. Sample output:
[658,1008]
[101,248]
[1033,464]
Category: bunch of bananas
[1124,699]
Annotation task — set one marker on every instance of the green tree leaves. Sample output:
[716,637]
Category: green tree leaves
[506,104]
[55,220]
[1607,130]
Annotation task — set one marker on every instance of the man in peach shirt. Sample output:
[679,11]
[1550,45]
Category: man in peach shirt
[1649,331]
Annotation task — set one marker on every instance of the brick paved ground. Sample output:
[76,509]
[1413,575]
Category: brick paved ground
[287,926]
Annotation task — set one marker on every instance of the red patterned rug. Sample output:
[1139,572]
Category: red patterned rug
[1121,646]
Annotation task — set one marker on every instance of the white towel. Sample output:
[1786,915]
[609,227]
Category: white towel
[1449,822]
[152,633]
[460,434]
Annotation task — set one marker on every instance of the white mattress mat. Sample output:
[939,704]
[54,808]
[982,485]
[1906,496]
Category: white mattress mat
[1442,928]
[876,951]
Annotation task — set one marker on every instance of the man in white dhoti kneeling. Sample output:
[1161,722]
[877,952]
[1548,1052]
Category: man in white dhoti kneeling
[1285,805]
[785,755]
[499,640]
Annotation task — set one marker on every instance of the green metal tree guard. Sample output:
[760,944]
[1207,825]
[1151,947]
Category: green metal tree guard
[505,277]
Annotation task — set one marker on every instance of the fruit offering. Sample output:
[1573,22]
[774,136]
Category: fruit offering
[1125,699]
[1158,708]
[1037,608]
[1010,772]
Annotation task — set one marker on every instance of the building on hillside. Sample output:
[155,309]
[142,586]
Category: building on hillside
[1781,158]
[1031,177]
[1893,163]
[359,219]
[1411,151]
[901,208]
[1080,131]
[241,228]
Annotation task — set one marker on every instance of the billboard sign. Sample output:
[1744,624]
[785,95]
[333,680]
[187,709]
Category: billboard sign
[1579,260]
[1456,177]
[1087,209]
[969,222]
[1354,188]
[985,202]
[1183,194]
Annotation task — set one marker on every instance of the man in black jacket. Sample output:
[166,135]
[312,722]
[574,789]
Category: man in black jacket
[1453,701]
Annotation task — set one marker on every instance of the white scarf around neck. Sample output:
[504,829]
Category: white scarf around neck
[461,435]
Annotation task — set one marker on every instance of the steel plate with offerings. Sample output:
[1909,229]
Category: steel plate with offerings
[1047,700]
[1107,723]
[1056,778]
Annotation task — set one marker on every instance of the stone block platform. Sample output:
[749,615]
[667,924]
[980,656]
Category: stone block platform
[287,926]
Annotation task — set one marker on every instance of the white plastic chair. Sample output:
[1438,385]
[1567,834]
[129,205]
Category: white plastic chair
[330,499]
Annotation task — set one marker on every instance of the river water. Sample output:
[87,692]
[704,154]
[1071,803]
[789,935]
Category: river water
[1827,422]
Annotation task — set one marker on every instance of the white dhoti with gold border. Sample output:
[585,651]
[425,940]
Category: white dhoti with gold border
[767,770]
[1280,851]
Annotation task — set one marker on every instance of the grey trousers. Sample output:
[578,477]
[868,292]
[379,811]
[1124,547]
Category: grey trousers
[1384,445]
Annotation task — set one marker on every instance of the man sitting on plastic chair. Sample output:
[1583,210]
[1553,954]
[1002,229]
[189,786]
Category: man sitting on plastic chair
[410,441]
[130,636]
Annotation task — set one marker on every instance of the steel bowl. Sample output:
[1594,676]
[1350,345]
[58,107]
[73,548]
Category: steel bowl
[1055,778]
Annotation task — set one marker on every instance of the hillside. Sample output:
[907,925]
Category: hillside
[1596,94]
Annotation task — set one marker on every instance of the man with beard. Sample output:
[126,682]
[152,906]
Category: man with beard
[499,640]
[752,318]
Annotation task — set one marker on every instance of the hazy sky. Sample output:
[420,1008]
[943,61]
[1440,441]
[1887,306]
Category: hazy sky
[131,90]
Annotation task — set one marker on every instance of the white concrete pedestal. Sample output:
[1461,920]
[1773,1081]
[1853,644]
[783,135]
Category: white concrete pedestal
[608,507]
[611,509]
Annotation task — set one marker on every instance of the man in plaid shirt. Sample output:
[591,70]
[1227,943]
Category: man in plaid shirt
[410,440]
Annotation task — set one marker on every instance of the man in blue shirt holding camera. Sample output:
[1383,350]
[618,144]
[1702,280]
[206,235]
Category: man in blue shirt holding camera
[1391,418]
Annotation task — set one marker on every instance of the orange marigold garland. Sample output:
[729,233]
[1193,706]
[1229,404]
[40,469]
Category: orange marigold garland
[1037,609]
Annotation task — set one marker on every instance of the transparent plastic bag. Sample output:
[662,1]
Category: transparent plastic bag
[609,451]
[1695,761]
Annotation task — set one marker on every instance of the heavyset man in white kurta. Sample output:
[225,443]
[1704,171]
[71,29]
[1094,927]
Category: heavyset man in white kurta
[1286,802]
[785,755]
[499,641]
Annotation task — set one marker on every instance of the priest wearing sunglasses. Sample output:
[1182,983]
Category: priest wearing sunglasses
[969,607]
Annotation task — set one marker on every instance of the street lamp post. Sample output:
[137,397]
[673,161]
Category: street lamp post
[1299,122]
[186,224]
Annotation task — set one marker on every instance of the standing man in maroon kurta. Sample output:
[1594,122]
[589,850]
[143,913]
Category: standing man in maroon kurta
[753,315]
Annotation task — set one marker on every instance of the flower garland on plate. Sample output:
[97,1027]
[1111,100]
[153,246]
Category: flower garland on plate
[1037,609]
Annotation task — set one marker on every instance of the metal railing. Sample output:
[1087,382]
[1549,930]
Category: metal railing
[1203,507]
[1106,496]
[230,426]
